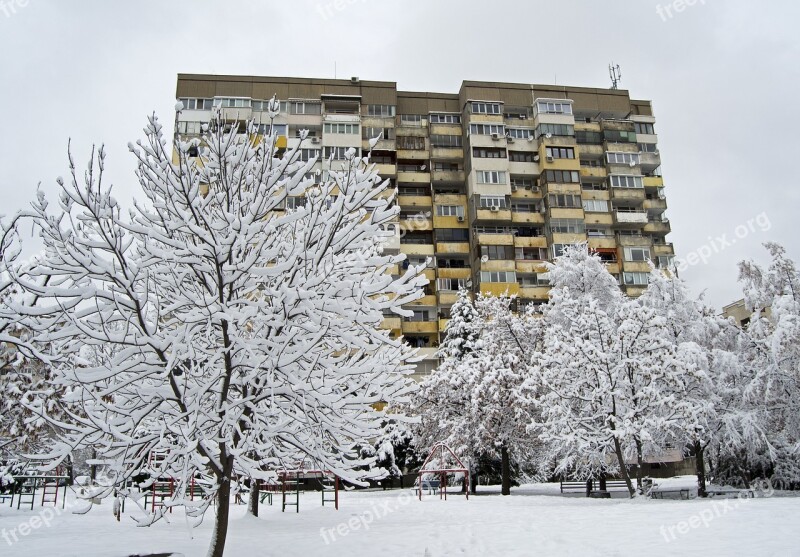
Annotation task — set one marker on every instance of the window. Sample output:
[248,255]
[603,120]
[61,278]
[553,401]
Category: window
[452,235]
[493,230]
[380,133]
[665,261]
[295,202]
[520,156]
[529,232]
[555,129]
[644,128]
[278,129]
[411,143]
[538,279]
[564,200]
[196,104]
[190,127]
[520,133]
[637,254]
[445,140]
[607,255]
[297,107]
[487,129]
[599,233]
[412,120]
[647,147]
[444,118]
[412,190]
[618,136]
[516,112]
[451,263]
[447,166]
[488,153]
[521,182]
[561,152]
[554,107]
[619,181]
[588,137]
[595,205]
[530,254]
[341,128]
[498,276]
[485,108]
[487,201]
[264,106]
[525,207]
[419,315]
[233,103]
[622,158]
[558,249]
[567,226]
[382,110]
[496,252]
[562,176]
[491,177]
[635,279]
[594,186]
[451,284]
[307,154]
[449,211]
[338,153]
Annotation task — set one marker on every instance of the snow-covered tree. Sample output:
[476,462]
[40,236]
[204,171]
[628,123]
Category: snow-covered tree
[473,400]
[232,335]
[772,356]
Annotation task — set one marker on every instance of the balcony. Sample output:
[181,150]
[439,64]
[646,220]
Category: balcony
[448,176]
[493,214]
[594,172]
[391,323]
[653,181]
[660,227]
[650,161]
[495,239]
[530,266]
[416,249]
[447,297]
[386,170]
[500,288]
[455,272]
[447,153]
[428,300]
[527,218]
[498,265]
[412,327]
[381,145]
[633,240]
[663,249]
[606,242]
[586,151]
[443,325]
[446,248]
[631,217]
[530,242]
[534,292]
[603,219]
[414,200]
[655,205]
[628,194]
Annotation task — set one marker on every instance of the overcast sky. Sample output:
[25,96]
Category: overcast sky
[723,77]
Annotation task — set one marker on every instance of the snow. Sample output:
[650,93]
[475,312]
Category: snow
[533,520]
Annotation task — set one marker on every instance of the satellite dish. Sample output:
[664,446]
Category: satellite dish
[530,138]
[484,258]
[549,135]
[535,158]
[423,167]
[632,163]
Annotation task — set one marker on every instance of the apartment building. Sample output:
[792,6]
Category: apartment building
[493,180]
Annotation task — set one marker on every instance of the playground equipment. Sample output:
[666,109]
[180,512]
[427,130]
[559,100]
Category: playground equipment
[290,487]
[163,488]
[437,475]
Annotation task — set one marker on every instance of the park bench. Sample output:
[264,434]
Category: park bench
[659,493]
[580,487]
[431,485]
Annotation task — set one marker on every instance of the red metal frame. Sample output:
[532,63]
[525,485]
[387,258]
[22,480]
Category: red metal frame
[442,472]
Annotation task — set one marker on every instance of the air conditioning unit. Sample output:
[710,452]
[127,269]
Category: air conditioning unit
[314,140]
[510,139]
[460,218]
[535,189]
[549,158]
[496,136]
[523,117]
[494,208]
[513,188]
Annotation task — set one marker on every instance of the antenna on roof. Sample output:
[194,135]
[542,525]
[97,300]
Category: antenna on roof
[615,74]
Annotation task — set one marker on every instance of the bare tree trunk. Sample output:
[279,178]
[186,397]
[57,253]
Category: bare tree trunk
[505,471]
[220,533]
[700,468]
[639,464]
[252,502]
[474,483]
[602,480]
[622,469]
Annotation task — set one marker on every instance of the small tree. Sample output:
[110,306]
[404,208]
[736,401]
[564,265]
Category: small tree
[232,334]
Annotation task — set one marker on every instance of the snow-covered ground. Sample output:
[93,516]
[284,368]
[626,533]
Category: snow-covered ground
[534,520]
